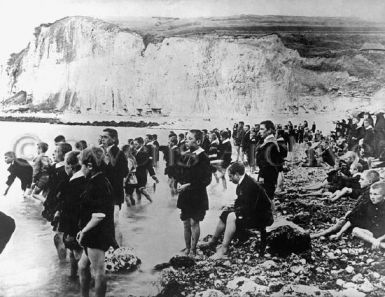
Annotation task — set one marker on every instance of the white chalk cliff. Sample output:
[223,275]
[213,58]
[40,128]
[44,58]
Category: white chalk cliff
[85,65]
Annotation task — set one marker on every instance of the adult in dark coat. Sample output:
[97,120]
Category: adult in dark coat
[193,200]
[252,209]
[19,168]
[115,169]
[269,158]
[144,167]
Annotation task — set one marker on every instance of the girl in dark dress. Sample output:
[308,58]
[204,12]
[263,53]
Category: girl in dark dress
[96,221]
[69,207]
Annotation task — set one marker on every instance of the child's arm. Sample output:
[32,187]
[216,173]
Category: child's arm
[342,231]
[341,193]
[376,243]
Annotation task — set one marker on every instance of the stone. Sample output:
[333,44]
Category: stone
[276,286]
[351,292]
[286,240]
[246,286]
[218,283]
[340,282]
[366,287]
[210,293]
[349,269]
[269,264]
[297,269]
[358,278]
[121,259]
[181,261]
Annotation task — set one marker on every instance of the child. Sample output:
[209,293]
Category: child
[19,168]
[368,218]
[41,166]
[362,194]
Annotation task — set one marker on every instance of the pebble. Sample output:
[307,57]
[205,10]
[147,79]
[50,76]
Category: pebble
[369,261]
[269,264]
[349,269]
[340,282]
[358,278]
[331,255]
[366,287]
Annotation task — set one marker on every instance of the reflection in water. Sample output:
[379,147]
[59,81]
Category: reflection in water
[29,263]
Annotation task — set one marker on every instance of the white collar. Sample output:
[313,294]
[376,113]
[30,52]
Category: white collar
[198,151]
[226,140]
[59,164]
[241,179]
[175,146]
[77,175]
[268,138]
[215,141]
[139,149]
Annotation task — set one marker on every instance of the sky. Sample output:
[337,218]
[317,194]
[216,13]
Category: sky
[18,18]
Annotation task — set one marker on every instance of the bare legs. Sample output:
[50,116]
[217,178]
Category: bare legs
[229,231]
[191,236]
[95,260]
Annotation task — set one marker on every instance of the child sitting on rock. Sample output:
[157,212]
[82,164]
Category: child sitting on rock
[367,219]
[357,187]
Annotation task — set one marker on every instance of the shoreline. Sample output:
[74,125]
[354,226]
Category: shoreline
[323,120]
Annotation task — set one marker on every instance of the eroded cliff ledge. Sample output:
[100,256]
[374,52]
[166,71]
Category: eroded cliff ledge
[241,65]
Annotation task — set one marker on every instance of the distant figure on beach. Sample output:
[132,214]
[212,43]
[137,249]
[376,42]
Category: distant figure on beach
[193,200]
[18,168]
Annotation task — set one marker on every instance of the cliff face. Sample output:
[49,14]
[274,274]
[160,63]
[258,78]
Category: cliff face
[86,65]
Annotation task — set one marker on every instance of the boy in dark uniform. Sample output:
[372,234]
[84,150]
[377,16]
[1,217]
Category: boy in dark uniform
[193,200]
[19,168]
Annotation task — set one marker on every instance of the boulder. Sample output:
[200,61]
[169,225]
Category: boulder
[245,286]
[286,240]
[176,262]
[121,259]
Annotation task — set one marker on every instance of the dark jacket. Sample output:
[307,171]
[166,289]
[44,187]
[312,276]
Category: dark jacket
[225,151]
[22,170]
[144,165]
[69,205]
[197,172]
[252,205]
[116,170]
[57,179]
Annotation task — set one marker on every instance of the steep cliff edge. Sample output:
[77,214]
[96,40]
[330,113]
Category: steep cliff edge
[81,64]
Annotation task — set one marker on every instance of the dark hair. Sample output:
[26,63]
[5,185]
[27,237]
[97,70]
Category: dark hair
[269,125]
[149,136]
[181,135]
[139,140]
[10,154]
[113,133]
[65,147]
[198,135]
[72,159]
[237,167]
[224,134]
[204,131]
[81,145]
[173,140]
[154,136]
[43,146]
[59,138]
[242,122]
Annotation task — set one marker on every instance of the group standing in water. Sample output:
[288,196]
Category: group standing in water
[84,188]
